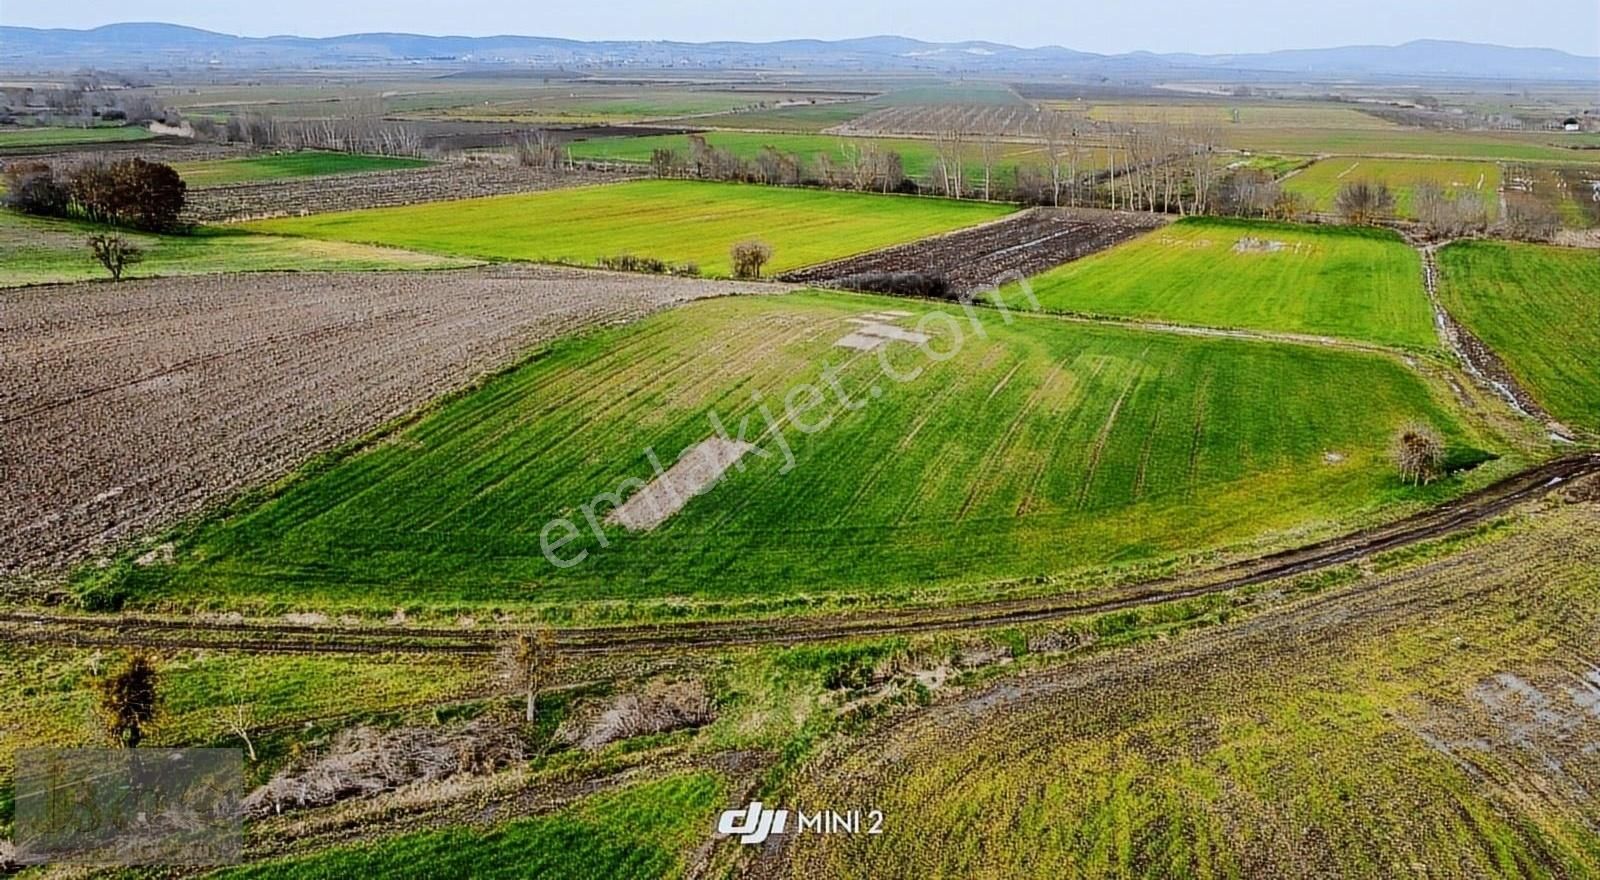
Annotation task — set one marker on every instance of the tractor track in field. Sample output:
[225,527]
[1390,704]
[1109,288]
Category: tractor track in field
[1447,519]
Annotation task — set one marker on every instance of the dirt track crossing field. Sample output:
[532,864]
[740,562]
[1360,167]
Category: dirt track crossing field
[123,409]
[1022,245]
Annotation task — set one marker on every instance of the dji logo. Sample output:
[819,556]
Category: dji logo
[755,823]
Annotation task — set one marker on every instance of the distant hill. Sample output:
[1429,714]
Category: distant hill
[173,46]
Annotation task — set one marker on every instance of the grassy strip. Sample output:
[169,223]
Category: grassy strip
[280,166]
[676,221]
[35,250]
[1538,308]
[1360,284]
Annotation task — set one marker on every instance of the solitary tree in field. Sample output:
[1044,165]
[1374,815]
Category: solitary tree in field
[748,257]
[529,660]
[1418,453]
[114,252]
[129,701]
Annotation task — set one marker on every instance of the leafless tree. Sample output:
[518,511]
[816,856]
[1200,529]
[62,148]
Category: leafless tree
[1448,214]
[949,150]
[237,718]
[988,152]
[114,252]
[1203,139]
[529,661]
[1361,202]
[1530,219]
[537,150]
[1418,452]
[748,257]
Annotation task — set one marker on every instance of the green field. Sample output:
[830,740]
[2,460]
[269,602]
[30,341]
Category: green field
[677,221]
[53,137]
[644,831]
[1042,447]
[1538,308]
[918,157]
[34,250]
[1320,183]
[1354,283]
[222,172]
[809,118]
[1404,142]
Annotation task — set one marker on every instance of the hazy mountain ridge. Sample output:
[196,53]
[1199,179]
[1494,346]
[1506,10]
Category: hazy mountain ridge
[166,45]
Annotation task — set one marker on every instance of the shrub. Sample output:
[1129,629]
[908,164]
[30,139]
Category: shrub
[130,192]
[35,188]
[651,265]
[129,702]
[748,257]
[1418,452]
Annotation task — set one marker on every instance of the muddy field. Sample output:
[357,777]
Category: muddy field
[124,409]
[1021,245]
[379,189]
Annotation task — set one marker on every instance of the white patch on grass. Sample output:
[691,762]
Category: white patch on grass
[696,471]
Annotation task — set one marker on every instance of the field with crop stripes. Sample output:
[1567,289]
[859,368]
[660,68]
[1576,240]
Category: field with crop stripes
[1040,447]
[1538,307]
[1360,733]
[1320,183]
[1358,284]
[676,221]
[52,137]
[252,169]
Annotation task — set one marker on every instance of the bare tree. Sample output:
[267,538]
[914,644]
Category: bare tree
[1203,171]
[536,150]
[949,150]
[114,252]
[237,718]
[1444,213]
[529,661]
[1361,202]
[748,257]
[988,152]
[1531,220]
[1418,452]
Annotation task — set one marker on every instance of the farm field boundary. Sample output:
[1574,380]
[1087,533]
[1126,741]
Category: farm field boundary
[233,380]
[1451,518]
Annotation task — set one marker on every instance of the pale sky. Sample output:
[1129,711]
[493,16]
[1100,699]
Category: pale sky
[1205,26]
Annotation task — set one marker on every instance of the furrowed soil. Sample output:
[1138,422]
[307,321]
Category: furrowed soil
[450,181]
[124,409]
[1017,247]
[1440,720]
